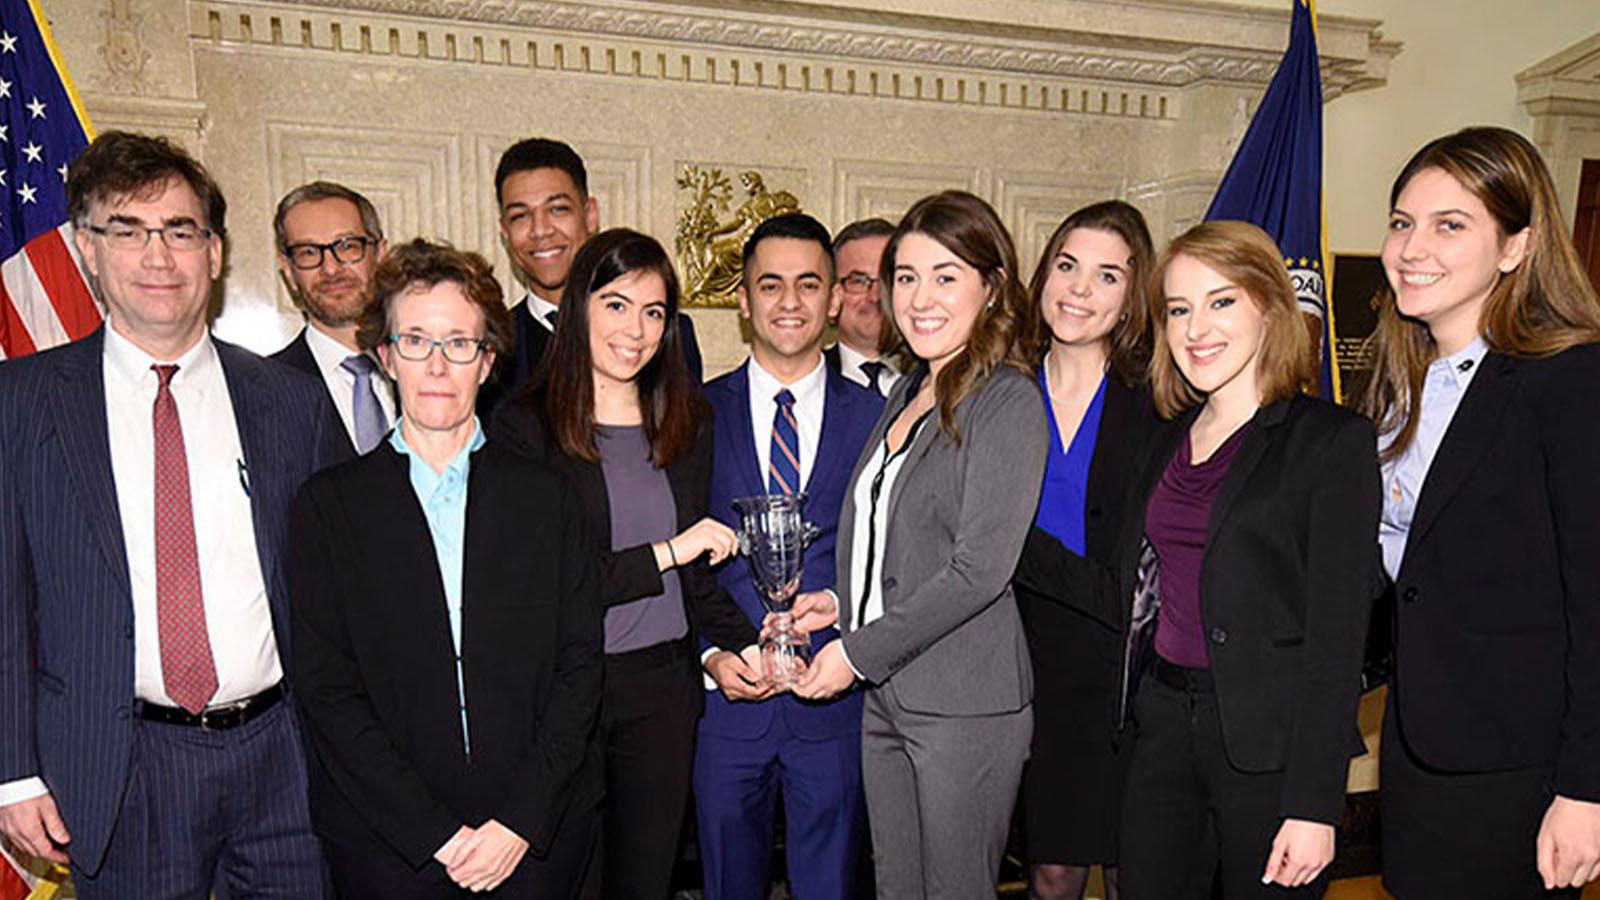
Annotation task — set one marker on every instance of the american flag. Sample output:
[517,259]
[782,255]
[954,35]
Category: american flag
[44,298]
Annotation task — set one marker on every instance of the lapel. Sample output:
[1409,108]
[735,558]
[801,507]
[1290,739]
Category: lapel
[1251,449]
[743,432]
[255,418]
[922,441]
[80,420]
[1110,466]
[844,544]
[835,420]
[1465,441]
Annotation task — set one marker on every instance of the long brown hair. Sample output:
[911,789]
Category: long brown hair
[670,406]
[969,228]
[1128,344]
[1542,307]
[1248,258]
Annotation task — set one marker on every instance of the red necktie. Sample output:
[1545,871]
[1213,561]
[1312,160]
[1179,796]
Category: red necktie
[187,670]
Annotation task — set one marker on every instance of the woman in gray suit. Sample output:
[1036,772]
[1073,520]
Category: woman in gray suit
[929,535]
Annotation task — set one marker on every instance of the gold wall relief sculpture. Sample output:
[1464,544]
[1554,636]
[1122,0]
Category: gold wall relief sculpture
[709,239]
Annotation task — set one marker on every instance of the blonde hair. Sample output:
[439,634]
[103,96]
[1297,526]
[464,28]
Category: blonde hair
[1247,257]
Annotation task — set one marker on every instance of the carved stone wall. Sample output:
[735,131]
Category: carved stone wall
[1562,94]
[858,108]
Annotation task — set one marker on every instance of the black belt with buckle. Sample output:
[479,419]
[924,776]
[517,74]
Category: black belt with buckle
[215,718]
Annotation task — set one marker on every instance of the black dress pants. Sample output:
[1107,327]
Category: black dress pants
[1450,834]
[1188,815]
[648,716]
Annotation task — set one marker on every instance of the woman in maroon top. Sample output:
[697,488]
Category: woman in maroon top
[1249,562]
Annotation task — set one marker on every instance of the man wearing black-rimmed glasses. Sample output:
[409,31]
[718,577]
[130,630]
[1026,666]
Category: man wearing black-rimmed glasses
[329,241]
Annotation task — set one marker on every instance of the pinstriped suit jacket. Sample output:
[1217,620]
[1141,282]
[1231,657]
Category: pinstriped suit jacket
[66,609]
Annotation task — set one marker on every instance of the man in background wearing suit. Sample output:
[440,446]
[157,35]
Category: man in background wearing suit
[857,251]
[329,241]
[146,473]
[784,422]
[546,214]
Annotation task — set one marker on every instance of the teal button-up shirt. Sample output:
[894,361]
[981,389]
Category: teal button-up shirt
[443,496]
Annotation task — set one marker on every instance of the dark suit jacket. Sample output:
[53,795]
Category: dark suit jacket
[65,600]
[375,669]
[849,413]
[1060,592]
[297,353]
[1285,589]
[533,342]
[957,515]
[630,574]
[1497,649]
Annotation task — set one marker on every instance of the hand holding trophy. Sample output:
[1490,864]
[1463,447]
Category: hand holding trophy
[773,538]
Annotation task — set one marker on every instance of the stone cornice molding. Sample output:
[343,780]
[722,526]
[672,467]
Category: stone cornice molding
[1238,48]
[1565,84]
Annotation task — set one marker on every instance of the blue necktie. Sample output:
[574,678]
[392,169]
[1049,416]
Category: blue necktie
[370,423]
[783,463]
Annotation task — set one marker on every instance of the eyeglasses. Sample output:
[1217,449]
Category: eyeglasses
[349,250]
[857,283]
[183,236]
[416,347]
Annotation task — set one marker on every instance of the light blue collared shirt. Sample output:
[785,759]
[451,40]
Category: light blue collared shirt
[1442,389]
[443,496]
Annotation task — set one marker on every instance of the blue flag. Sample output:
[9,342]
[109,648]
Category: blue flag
[1275,179]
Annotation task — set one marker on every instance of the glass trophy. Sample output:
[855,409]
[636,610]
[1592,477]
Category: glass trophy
[773,538]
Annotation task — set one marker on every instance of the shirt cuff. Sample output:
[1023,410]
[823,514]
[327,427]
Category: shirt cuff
[845,655]
[710,683]
[22,789]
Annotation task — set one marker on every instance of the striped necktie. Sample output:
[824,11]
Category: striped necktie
[783,463]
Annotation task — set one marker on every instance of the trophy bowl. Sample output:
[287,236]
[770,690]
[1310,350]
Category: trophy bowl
[773,536]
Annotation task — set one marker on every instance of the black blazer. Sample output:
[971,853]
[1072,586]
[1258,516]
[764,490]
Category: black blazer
[297,354]
[1497,643]
[1288,580]
[374,667]
[1055,586]
[533,342]
[629,574]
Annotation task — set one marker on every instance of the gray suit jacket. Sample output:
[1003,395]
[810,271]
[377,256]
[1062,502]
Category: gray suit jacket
[950,637]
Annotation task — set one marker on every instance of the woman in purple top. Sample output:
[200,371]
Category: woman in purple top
[1248,562]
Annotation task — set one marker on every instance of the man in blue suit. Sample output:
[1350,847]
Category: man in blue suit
[785,422]
[145,479]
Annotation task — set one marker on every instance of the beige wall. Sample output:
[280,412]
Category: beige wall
[857,107]
[1458,68]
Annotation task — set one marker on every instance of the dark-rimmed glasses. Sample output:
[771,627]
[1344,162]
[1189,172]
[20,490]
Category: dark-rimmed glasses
[349,250]
[857,283]
[417,347]
[184,236]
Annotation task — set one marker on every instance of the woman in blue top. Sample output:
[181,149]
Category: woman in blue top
[1092,338]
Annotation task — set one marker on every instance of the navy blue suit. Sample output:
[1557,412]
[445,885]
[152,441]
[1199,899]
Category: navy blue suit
[66,607]
[746,750]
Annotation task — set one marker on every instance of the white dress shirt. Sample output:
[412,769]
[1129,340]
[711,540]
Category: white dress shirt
[810,394]
[850,361]
[541,309]
[330,354]
[238,617]
[872,525]
[1443,387]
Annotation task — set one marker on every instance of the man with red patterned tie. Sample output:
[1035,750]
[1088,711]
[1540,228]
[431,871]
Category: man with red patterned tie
[145,478]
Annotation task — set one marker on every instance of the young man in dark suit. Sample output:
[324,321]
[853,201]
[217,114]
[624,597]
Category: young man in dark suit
[329,241]
[785,423]
[546,214]
[147,471]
